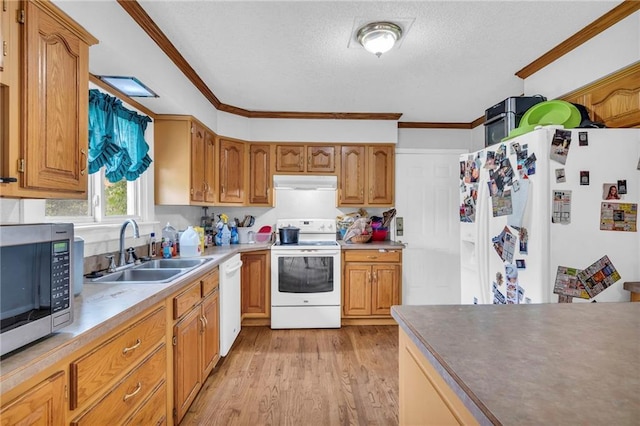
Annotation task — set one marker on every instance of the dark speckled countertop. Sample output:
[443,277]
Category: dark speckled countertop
[544,364]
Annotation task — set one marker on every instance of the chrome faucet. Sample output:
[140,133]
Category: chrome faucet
[136,234]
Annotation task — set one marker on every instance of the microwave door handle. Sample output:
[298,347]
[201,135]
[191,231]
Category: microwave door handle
[496,118]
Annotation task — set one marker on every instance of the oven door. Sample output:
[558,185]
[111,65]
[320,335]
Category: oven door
[305,277]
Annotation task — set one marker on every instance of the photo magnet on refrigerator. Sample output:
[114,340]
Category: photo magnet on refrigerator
[584,177]
[583,138]
[622,186]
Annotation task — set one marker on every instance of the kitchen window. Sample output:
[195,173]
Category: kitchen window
[106,201]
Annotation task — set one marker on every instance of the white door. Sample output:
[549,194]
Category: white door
[427,200]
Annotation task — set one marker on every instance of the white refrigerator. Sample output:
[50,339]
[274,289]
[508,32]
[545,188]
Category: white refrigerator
[535,222]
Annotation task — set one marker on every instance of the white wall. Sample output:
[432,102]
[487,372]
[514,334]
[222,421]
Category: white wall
[609,51]
[435,139]
[337,131]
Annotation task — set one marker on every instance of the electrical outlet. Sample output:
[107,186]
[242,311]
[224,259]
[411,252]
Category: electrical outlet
[399,226]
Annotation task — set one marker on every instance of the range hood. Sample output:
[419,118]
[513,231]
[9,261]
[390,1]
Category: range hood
[305,182]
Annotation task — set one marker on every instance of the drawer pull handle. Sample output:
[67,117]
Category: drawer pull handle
[132,394]
[125,350]
[372,257]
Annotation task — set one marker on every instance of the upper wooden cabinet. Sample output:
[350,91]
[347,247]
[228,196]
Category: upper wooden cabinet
[293,158]
[45,78]
[367,175]
[260,189]
[184,161]
[231,178]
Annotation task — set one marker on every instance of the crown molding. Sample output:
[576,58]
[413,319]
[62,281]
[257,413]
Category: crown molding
[138,14]
[615,15]
[432,125]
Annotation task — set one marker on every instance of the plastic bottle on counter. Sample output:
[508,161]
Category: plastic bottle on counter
[152,245]
[169,237]
[190,243]
[226,235]
[234,235]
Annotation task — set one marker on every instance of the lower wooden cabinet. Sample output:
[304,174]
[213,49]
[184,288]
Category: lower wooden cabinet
[113,378]
[371,282]
[256,288]
[128,394]
[196,340]
[424,396]
[43,404]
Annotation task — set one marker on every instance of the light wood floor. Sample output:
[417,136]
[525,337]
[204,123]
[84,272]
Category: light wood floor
[346,376]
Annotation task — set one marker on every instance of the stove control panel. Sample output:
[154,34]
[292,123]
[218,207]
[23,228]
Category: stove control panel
[309,226]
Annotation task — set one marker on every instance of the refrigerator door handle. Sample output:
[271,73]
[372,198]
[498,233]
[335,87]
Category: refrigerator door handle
[482,231]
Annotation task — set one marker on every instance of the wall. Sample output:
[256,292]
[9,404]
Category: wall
[611,50]
[435,139]
[338,131]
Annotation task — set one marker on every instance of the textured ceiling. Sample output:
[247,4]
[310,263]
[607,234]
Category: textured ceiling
[456,59]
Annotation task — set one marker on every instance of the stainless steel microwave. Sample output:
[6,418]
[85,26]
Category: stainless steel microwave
[36,288]
[505,116]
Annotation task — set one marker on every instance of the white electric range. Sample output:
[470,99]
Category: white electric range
[305,277]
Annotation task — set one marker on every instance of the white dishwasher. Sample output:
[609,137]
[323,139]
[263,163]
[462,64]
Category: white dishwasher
[229,302]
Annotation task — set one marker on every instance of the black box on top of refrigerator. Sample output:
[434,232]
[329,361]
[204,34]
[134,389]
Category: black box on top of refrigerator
[505,116]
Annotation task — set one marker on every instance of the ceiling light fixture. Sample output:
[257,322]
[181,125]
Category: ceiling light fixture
[379,37]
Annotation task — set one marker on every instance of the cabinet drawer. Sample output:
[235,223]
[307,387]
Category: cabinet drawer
[186,300]
[372,255]
[90,373]
[153,411]
[129,393]
[210,282]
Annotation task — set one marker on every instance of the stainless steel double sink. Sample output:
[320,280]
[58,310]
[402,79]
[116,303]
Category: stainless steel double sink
[152,272]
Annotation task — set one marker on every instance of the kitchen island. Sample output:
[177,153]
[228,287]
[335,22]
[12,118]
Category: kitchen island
[554,364]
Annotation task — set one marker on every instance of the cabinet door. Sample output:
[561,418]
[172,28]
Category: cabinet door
[55,104]
[381,174]
[260,174]
[290,158]
[385,288]
[231,171]
[352,175]
[321,159]
[197,162]
[209,167]
[211,336]
[41,405]
[187,361]
[357,289]
[255,285]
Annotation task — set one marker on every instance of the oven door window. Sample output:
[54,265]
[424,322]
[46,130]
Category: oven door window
[25,284]
[305,274]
